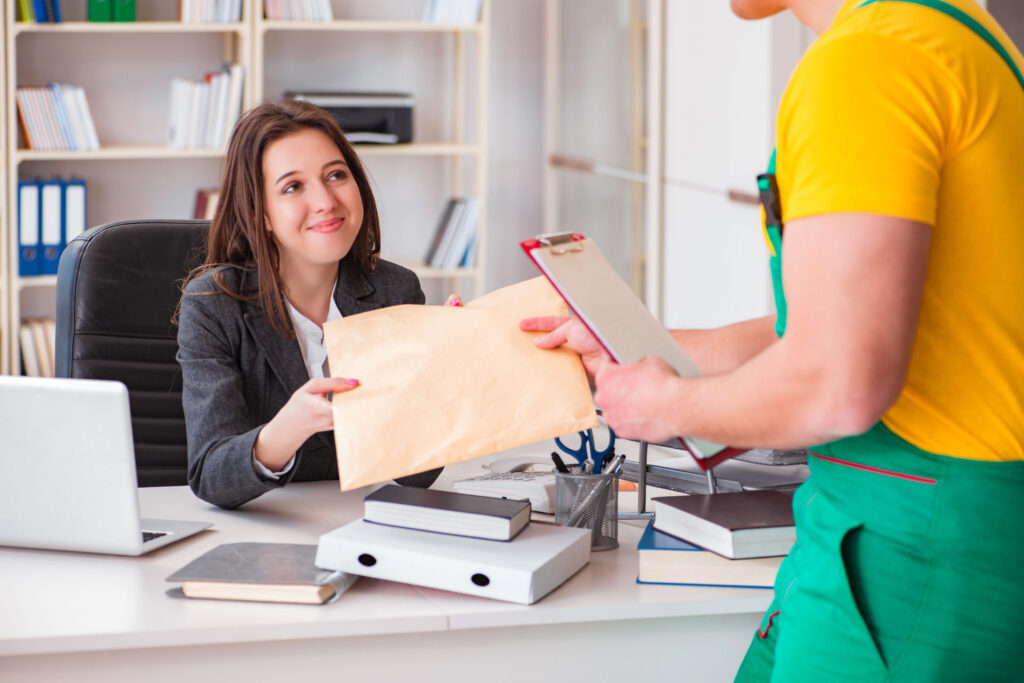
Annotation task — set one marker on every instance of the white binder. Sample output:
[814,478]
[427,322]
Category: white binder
[522,570]
[615,315]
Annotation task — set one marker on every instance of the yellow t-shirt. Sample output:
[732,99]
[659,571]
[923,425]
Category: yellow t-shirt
[900,110]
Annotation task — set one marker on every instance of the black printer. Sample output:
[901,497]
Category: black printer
[366,117]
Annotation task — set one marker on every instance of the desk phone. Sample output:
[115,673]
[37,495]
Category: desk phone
[512,478]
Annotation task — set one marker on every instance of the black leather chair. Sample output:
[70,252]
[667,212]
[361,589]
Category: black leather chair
[118,286]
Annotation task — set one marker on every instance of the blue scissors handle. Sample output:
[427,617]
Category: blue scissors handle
[589,457]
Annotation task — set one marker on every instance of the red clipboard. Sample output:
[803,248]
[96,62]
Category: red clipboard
[618,319]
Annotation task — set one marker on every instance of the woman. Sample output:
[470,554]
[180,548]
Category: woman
[294,243]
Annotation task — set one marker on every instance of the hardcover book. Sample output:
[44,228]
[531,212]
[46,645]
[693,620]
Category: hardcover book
[461,514]
[666,559]
[538,561]
[735,525]
[262,572]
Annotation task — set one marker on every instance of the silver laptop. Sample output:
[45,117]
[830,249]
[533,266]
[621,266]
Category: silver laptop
[67,470]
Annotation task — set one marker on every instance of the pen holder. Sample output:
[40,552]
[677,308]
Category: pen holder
[589,501]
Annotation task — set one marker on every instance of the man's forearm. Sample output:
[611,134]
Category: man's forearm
[724,349]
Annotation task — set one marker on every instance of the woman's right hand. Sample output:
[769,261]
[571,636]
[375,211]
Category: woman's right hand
[563,330]
[307,412]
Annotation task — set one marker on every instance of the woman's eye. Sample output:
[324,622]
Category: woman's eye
[337,175]
[290,187]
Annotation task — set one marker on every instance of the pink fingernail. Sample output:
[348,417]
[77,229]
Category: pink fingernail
[352,382]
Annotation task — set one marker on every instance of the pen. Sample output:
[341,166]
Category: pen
[559,465]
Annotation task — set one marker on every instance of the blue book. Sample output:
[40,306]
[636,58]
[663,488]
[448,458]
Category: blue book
[28,228]
[667,559]
[51,224]
[39,10]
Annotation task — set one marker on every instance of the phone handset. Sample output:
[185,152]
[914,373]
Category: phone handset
[518,463]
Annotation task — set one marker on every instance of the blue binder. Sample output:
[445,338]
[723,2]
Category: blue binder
[29,261]
[51,224]
[74,209]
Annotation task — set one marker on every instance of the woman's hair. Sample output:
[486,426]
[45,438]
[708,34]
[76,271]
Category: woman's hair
[238,234]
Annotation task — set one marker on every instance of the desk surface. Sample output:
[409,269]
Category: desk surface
[57,602]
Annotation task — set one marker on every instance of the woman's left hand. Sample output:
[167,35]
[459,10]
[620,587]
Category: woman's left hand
[636,399]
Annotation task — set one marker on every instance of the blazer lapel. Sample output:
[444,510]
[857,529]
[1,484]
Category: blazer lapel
[353,289]
[283,355]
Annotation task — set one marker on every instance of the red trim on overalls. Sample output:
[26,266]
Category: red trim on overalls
[767,627]
[876,470]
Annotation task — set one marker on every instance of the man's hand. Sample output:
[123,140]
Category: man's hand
[635,399]
[566,331]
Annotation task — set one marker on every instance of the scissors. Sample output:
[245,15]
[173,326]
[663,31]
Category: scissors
[587,454]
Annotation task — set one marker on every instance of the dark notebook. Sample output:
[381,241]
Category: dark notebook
[264,572]
[666,559]
[736,525]
[445,512]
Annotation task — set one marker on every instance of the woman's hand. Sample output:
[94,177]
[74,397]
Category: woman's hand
[567,331]
[307,412]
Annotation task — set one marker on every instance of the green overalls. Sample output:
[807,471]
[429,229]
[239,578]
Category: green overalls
[906,564]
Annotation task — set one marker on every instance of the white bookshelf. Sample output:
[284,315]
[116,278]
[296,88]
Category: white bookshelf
[126,70]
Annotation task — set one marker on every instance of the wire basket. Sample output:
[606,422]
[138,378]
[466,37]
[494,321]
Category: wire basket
[589,501]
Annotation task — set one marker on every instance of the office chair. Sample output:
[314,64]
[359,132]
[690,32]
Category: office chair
[118,286]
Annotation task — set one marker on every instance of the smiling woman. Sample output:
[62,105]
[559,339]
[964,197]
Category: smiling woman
[294,244]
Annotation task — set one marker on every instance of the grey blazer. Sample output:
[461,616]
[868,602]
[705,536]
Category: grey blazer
[237,373]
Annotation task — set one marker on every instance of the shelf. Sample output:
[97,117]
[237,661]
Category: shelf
[36,281]
[418,149]
[127,27]
[436,273]
[367,26]
[142,152]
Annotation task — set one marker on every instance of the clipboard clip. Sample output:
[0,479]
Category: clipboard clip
[561,242]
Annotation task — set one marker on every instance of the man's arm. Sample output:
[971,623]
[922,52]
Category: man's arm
[853,284]
[726,348]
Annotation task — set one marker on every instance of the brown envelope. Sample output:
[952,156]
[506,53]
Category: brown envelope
[443,384]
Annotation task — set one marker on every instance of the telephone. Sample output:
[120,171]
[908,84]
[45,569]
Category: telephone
[513,478]
[519,463]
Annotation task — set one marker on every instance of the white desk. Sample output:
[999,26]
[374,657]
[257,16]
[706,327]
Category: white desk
[83,617]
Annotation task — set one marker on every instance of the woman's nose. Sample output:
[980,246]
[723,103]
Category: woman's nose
[321,198]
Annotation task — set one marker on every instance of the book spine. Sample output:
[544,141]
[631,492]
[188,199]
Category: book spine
[123,10]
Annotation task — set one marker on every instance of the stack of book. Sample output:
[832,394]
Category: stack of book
[458,542]
[38,338]
[202,113]
[56,118]
[210,11]
[299,10]
[454,242]
[206,203]
[723,539]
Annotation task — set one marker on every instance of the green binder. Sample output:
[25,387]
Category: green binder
[124,10]
[101,10]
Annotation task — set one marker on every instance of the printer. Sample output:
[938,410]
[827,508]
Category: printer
[366,117]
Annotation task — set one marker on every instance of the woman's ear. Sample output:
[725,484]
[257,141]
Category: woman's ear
[266,224]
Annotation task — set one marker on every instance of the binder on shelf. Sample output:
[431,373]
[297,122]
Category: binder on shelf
[25,13]
[614,314]
[29,359]
[74,209]
[28,228]
[442,226]
[123,10]
[101,10]
[40,13]
[51,224]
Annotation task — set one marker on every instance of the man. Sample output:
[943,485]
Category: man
[897,354]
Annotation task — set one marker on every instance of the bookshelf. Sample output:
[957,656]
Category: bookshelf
[126,71]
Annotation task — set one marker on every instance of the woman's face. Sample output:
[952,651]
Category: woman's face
[314,210]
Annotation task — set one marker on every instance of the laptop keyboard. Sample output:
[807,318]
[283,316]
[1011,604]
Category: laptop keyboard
[150,535]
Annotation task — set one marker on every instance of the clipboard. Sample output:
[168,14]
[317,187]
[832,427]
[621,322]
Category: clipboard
[616,317]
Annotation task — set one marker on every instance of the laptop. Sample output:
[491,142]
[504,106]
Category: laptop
[67,470]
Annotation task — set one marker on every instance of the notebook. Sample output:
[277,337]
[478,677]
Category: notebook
[68,467]
[615,315]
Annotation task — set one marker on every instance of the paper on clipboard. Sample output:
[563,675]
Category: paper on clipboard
[615,315]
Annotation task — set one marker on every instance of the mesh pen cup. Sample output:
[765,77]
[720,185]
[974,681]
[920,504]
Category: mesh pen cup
[589,501]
